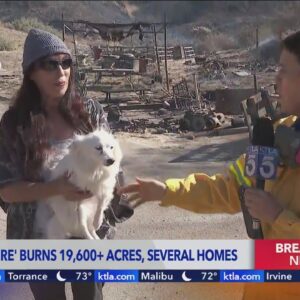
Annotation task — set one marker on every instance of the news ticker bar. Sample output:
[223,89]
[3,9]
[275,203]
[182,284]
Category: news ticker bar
[150,254]
[136,276]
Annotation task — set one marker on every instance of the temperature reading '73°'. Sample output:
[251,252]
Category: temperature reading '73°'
[83,275]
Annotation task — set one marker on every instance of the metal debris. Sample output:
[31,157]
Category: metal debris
[199,121]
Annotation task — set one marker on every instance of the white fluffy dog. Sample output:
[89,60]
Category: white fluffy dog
[93,162]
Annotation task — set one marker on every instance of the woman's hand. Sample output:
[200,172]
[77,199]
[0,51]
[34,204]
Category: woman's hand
[262,205]
[69,191]
[144,190]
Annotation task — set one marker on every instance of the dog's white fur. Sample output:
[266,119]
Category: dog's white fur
[89,163]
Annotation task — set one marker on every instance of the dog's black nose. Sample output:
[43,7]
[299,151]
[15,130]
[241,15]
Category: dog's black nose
[109,162]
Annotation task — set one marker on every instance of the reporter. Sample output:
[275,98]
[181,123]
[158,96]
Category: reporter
[278,207]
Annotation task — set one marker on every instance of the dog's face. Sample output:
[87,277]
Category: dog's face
[99,146]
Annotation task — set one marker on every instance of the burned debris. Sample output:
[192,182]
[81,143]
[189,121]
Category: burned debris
[146,86]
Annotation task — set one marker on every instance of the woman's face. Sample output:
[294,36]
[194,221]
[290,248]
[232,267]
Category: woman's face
[51,75]
[288,82]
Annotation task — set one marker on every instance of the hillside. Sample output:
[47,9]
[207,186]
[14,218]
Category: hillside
[233,22]
[48,11]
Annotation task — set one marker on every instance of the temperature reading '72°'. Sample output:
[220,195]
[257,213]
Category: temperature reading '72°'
[208,276]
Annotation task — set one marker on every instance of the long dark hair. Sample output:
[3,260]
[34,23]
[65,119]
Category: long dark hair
[29,115]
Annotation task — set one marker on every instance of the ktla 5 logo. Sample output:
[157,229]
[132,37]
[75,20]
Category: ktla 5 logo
[261,162]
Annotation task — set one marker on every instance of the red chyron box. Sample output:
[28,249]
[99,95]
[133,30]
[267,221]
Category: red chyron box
[277,254]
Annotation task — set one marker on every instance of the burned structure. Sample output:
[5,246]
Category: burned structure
[165,88]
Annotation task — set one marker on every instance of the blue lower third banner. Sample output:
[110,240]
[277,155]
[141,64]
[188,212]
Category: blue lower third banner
[110,276]
[134,276]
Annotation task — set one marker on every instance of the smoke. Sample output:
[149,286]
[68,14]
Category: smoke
[182,12]
[268,49]
[178,12]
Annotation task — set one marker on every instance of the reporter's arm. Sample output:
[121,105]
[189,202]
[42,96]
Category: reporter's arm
[203,194]
[208,194]
[198,192]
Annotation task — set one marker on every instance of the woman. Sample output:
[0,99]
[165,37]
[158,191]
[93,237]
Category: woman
[278,207]
[34,132]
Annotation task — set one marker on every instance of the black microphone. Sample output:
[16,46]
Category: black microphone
[261,161]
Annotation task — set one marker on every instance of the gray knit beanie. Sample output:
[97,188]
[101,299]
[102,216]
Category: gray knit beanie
[39,44]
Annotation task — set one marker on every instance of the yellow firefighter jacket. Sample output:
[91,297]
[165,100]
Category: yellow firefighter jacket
[219,194]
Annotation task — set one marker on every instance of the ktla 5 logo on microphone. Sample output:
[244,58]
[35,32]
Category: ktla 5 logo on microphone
[261,162]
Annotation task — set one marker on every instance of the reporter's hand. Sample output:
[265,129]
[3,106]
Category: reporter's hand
[144,190]
[262,205]
[69,191]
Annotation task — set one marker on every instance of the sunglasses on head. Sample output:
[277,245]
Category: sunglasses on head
[52,64]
